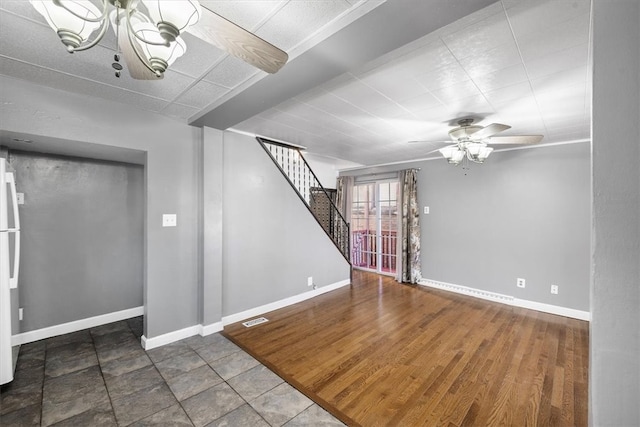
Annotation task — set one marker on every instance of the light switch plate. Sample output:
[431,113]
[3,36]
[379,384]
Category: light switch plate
[20,198]
[426,210]
[169,220]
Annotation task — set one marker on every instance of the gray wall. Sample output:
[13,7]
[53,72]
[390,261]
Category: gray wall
[212,231]
[614,365]
[171,273]
[271,243]
[524,213]
[82,237]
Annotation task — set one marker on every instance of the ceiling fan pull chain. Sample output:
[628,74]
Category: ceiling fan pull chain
[116,57]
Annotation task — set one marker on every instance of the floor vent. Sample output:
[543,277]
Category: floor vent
[254,322]
[492,296]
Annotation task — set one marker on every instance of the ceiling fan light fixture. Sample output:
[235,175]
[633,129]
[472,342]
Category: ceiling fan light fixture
[173,16]
[160,56]
[484,153]
[68,22]
[452,153]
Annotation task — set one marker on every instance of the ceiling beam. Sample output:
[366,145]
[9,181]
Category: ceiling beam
[389,26]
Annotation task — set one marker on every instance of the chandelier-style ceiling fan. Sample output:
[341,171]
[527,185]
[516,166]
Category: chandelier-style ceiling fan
[471,142]
[148,32]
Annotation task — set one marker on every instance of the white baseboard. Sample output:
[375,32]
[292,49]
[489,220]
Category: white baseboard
[257,311]
[169,337]
[211,329]
[76,325]
[508,300]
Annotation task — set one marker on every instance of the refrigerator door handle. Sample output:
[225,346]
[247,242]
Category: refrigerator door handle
[13,280]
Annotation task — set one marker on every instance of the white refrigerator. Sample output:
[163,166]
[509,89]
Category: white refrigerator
[9,268]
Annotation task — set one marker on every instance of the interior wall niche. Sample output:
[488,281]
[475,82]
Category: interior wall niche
[82,237]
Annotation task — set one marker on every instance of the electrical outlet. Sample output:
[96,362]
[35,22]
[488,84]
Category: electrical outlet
[20,313]
[426,210]
[520,282]
[554,289]
[169,220]
[310,281]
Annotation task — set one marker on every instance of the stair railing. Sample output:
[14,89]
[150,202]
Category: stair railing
[304,181]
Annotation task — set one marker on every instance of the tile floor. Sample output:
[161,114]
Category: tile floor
[102,377]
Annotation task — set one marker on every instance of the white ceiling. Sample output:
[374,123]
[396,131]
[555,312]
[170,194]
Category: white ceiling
[519,62]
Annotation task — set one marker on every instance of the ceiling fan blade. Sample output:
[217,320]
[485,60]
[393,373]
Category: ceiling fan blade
[431,142]
[515,139]
[490,130]
[136,68]
[239,42]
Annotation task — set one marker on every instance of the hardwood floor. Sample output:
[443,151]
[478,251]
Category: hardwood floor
[382,353]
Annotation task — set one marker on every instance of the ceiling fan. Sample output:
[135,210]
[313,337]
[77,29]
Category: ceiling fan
[471,142]
[148,32]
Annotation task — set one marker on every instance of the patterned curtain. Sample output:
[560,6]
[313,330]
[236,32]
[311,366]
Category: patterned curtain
[408,249]
[344,187]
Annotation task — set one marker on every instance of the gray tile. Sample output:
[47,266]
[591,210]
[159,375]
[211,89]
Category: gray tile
[243,416]
[71,386]
[31,355]
[123,365]
[69,350]
[119,350]
[211,404]
[193,382]
[132,382]
[198,341]
[137,326]
[73,338]
[92,417]
[179,364]
[114,339]
[61,366]
[280,404]
[254,382]
[143,403]
[26,378]
[19,398]
[36,346]
[218,350]
[120,326]
[26,416]
[58,410]
[314,415]
[234,364]
[173,416]
[167,351]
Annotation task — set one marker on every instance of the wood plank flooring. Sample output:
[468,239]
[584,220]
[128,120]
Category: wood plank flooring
[380,353]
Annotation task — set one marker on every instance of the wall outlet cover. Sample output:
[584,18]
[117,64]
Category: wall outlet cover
[520,282]
[169,220]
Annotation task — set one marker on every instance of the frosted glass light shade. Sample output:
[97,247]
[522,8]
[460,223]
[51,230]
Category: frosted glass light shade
[452,153]
[484,153]
[173,16]
[159,56]
[71,29]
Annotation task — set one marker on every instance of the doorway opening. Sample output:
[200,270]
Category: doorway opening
[374,224]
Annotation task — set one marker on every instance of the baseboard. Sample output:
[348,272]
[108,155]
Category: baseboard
[507,299]
[211,329]
[76,325]
[168,338]
[257,311]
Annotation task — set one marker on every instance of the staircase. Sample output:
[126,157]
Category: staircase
[319,200]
